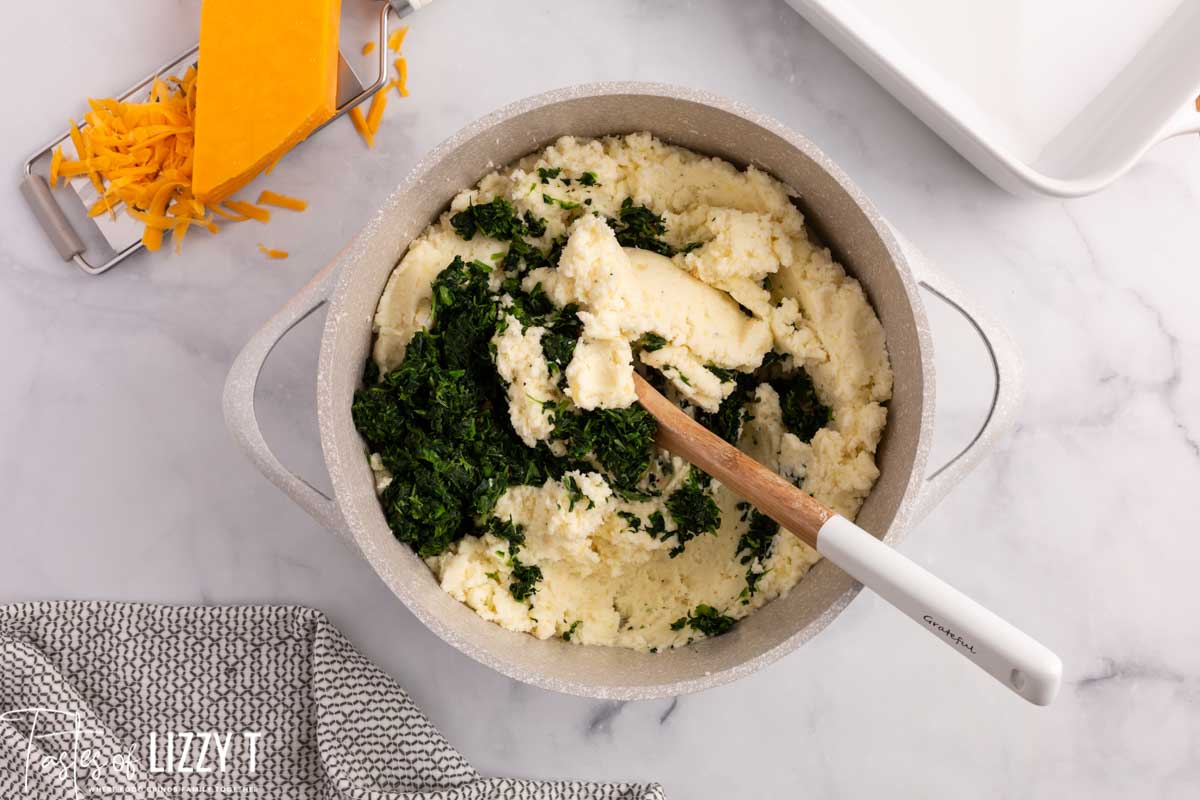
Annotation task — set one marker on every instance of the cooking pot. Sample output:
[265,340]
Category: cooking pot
[891,272]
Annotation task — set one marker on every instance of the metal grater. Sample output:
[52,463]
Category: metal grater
[62,212]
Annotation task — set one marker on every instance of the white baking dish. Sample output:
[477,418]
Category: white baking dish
[1054,96]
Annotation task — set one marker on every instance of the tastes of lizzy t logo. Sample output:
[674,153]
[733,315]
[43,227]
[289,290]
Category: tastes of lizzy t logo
[58,746]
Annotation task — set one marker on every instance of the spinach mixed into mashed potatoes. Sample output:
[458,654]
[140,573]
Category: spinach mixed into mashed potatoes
[498,406]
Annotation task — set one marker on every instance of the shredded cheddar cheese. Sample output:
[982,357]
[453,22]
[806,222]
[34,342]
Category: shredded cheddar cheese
[140,155]
[402,79]
[397,39]
[221,211]
[248,210]
[375,115]
[360,125]
[268,198]
[368,125]
[56,159]
[269,253]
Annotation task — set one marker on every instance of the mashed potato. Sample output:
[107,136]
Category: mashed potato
[743,299]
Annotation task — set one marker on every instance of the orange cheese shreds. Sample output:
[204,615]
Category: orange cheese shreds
[177,234]
[248,210]
[397,39]
[268,198]
[402,76]
[360,125]
[56,159]
[77,140]
[367,124]
[378,105]
[139,155]
[269,253]
[221,211]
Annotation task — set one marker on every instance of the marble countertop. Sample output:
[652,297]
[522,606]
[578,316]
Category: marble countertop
[121,482]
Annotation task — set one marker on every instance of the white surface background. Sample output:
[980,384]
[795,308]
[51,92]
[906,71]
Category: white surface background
[119,481]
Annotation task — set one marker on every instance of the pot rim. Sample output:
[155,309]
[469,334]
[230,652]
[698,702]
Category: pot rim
[328,410]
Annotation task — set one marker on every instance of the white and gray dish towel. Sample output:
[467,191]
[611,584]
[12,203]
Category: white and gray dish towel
[272,703]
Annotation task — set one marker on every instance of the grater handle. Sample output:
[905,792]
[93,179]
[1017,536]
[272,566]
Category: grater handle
[51,217]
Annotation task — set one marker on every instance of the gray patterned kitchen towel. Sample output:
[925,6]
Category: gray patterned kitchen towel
[269,703]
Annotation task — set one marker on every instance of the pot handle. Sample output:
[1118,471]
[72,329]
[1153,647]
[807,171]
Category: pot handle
[238,403]
[1006,367]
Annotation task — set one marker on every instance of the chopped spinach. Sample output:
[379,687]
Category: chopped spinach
[440,424]
[693,510]
[530,308]
[650,341]
[535,225]
[563,330]
[756,542]
[574,493]
[566,205]
[706,620]
[496,219]
[525,578]
[563,326]
[770,359]
[803,412]
[548,173]
[729,417]
[631,519]
[588,179]
[638,226]
[522,256]
[752,579]
[619,439]
[437,420]
[724,374]
[507,530]
[569,632]
[555,253]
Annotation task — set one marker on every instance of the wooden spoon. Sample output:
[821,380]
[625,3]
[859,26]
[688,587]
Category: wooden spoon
[1012,657]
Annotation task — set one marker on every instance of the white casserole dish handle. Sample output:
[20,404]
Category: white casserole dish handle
[1185,121]
[1006,368]
[238,403]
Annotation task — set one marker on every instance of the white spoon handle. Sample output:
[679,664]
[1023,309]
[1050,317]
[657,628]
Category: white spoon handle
[1009,655]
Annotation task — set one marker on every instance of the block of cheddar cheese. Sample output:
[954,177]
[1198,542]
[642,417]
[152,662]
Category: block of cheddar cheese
[267,78]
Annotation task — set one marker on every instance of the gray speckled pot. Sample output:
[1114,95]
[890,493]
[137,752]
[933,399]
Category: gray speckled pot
[889,270]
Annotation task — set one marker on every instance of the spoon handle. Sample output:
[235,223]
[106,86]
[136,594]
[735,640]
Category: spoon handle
[999,648]
[1012,657]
